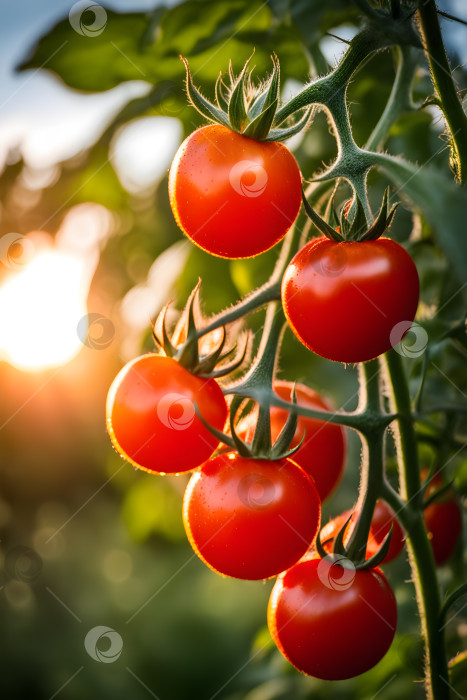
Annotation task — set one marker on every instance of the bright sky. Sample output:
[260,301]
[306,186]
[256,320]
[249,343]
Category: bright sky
[62,121]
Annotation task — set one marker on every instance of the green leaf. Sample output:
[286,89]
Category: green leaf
[121,53]
[443,204]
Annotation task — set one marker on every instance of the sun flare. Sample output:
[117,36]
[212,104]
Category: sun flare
[40,308]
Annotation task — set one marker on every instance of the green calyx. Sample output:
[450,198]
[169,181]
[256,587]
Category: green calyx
[352,224]
[260,446]
[184,344]
[339,552]
[245,108]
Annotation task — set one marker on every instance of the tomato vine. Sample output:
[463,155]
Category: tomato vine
[258,116]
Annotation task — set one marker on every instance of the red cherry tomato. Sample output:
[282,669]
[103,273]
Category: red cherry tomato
[443,521]
[350,301]
[383,518]
[322,454]
[231,195]
[330,622]
[250,518]
[151,417]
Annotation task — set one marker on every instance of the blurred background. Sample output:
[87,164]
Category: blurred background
[92,110]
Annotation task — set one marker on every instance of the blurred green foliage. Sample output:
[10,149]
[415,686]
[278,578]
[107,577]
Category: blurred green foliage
[114,553]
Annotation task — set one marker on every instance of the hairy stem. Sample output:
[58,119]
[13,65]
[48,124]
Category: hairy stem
[372,466]
[420,553]
[444,84]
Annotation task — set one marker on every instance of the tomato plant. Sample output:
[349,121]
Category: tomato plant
[151,415]
[346,301]
[250,518]
[330,622]
[252,510]
[231,195]
[322,453]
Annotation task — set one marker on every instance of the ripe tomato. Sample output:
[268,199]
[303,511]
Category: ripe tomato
[231,195]
[443,522]
[383,518]
[330,622]
[322,454]
[350,301]
[250,518]
[151,418]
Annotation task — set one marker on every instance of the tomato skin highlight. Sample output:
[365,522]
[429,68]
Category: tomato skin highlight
[322,454]
[328,632]
[234,197]
[250,518]
[151,418]
[344,300]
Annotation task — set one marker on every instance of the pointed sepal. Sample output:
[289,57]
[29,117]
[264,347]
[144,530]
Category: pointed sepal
[200,103]
[237,110]
[378,557]
[382,221]
[320,224]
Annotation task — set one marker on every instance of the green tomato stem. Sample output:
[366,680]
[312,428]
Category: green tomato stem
[420,552]
[400,99]
[372,461]
[444,84]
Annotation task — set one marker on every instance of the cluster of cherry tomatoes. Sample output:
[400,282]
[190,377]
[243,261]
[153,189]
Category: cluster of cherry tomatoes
[254,518]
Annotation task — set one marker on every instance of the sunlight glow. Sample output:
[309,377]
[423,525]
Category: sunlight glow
[40,307]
